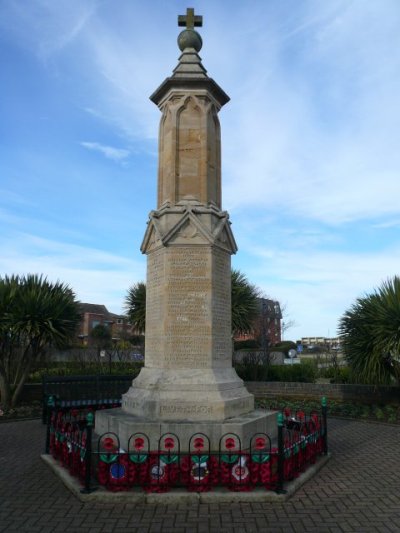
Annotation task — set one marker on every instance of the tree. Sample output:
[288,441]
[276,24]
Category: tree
[244,304]
[101,336]
[245,307]
[370,334]
[135,306]
[34,314]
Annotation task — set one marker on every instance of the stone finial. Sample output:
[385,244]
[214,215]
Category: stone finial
[189,38]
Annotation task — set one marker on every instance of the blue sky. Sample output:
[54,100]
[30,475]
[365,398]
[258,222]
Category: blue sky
[310,142]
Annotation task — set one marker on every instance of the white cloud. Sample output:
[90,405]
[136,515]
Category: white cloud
[317,133]
[95,276]
[318,286]
[116,154]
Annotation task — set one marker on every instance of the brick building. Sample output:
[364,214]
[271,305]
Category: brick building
[94,315]
[268,324]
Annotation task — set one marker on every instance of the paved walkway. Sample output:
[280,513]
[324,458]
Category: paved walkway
[357,491]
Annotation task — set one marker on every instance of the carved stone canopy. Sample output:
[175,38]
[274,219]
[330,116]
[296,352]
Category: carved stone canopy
[189,224]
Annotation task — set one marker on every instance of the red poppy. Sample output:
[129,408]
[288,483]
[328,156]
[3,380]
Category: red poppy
[139,443]
[260,443]
[230,443]
[198,443]
[169,443]
[109,444]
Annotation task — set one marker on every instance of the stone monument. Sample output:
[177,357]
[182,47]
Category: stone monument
[188,383]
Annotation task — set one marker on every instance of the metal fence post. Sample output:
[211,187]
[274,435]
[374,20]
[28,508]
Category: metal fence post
[88,454]
[324,407]
[281,455]
[44,400]
[49,411]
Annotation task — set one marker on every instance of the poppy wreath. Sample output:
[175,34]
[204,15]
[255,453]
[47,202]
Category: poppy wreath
[75,455]
[137,470]
[59,430]
[58,441]
[138,467]
[113,466]
[199,472]
[319,441]
[113,471]
[264,469]
[311,448]
[288,463]
[162,472]
[262,462]
[52,440]
[296,457]
[309,440]
[66,446]
[79,452]
[235,472]
[163,466]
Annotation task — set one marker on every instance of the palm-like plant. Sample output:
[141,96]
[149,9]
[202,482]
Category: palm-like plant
[370,334]
[245,307]
[35,314]
[135,306]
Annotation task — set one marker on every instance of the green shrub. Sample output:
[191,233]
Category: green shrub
[252,371]
[391,413]
[379,414]
[303,373]
[387,413]
[284,347]
[76,369]
[248,344]
[365,411]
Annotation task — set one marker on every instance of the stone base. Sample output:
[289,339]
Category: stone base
[212,394]
[245,427]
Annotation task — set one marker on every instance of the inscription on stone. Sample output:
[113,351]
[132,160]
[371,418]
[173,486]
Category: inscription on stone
[185,409]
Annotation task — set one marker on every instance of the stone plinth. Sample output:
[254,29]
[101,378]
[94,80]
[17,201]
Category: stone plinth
[245,427]
[184,394]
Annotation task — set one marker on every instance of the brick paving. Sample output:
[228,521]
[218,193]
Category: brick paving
[357,491]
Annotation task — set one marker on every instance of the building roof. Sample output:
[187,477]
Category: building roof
[93,308]
[97,309]
[272,307]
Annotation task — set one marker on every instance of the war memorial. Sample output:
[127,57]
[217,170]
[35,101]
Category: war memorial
[187,420]
[188,383]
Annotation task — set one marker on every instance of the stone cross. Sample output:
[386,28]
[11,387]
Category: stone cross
[190,20]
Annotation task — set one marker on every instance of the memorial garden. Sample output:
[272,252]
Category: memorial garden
[187,420]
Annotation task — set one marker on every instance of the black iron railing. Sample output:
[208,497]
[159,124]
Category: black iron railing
[84,391]
[235,465]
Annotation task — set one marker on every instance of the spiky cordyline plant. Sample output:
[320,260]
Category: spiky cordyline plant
[135,306]
[34,314]
[245,308]
[370,334]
